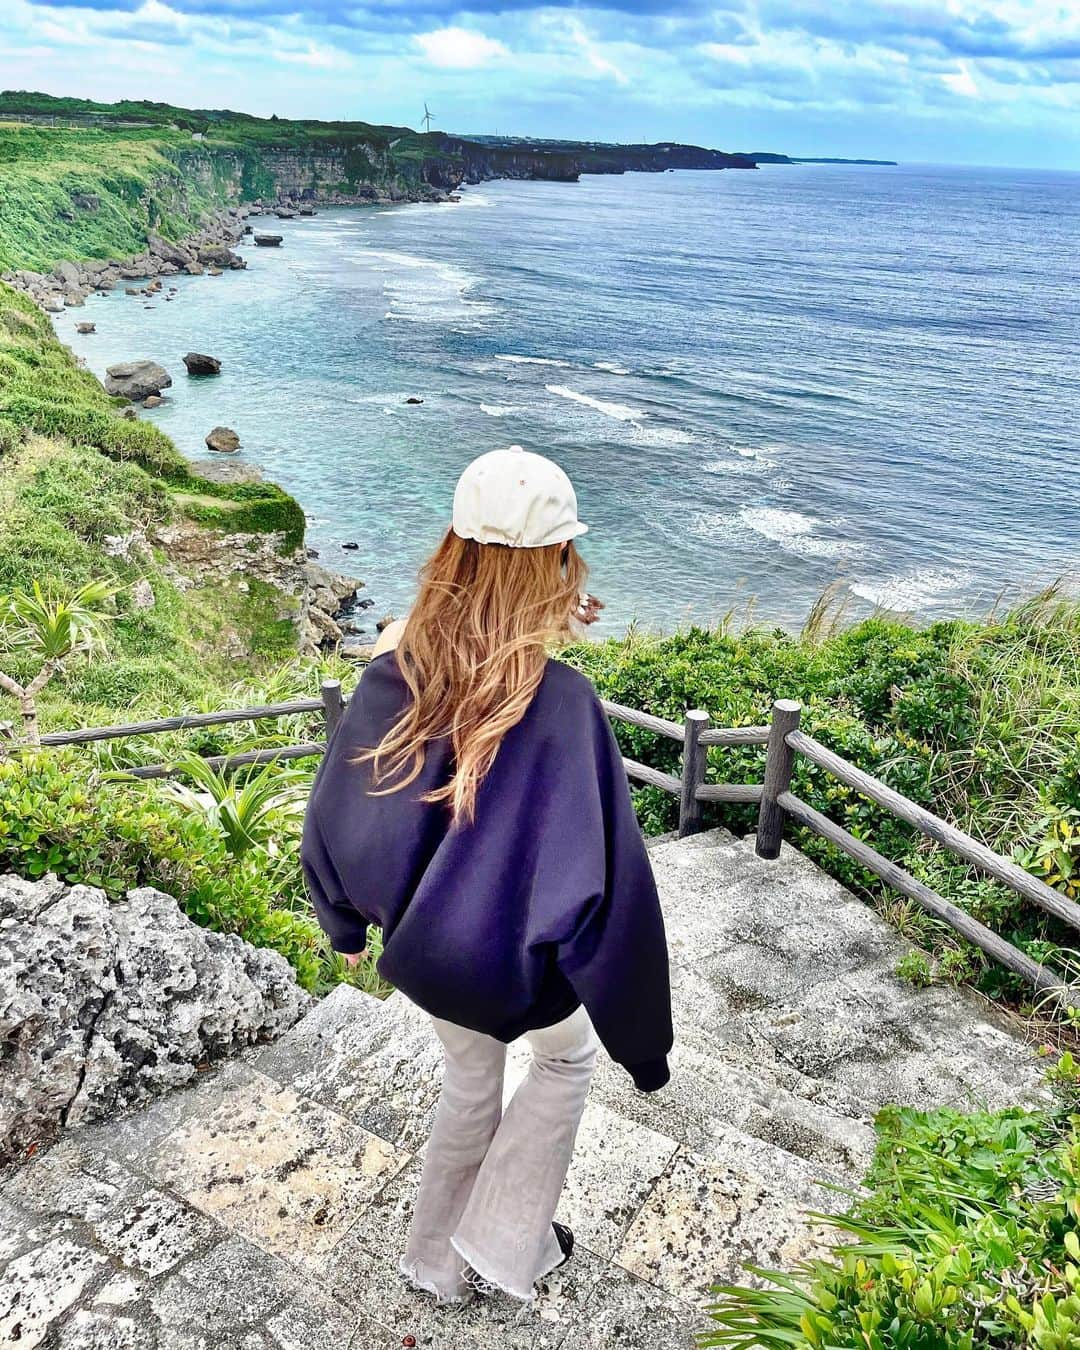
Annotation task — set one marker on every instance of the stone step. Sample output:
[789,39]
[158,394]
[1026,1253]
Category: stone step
[266,1207]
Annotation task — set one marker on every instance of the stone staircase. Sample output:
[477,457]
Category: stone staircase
[267,1206]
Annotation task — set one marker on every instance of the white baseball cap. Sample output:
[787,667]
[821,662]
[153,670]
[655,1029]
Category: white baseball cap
[516,498]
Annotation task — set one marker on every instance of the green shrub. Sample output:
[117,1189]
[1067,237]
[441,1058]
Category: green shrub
[969,1237]
[976,721]
[58,815]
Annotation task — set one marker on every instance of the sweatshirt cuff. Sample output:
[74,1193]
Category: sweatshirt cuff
[350,944]
[650,1074]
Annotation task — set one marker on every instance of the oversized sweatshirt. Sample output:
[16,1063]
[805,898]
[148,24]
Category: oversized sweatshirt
[544,902]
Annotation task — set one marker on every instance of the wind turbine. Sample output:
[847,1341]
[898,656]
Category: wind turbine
[426,119]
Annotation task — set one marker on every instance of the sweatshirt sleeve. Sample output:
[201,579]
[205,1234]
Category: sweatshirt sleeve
[339,919]
[616,957]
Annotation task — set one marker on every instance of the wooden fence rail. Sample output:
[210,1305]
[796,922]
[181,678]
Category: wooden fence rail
[776,802]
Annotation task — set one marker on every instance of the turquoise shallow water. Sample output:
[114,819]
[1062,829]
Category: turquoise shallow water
[759,382]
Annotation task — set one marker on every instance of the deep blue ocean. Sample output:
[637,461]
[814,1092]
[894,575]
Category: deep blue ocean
[758,381]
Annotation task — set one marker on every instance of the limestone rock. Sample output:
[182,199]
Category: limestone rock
[268,240]
[142,594]
[85,327]
[198,363]
[103,1005]
[224,440]
[136,380]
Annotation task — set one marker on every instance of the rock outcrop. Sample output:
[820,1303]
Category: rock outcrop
[136,380]
[71,282]
[103,1005]
[224,440]
[198,363]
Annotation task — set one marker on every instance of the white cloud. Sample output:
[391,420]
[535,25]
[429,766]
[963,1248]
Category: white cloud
[961,81]
[459,48]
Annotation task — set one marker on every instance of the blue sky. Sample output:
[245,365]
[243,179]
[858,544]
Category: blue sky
[959,81]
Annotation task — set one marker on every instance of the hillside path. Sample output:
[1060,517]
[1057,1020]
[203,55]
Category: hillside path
[266,1208]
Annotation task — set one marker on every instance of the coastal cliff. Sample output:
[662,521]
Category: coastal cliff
[89,181]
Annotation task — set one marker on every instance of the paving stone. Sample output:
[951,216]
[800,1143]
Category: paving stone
[625,1311]
[231,1288]
[154,1233]
[104,1331]
[120,1290]
[39,1286]
[362,1272]
[312,1323]
[708,1217]
[266,1207]
[58,1183]
[379,1064]
[280,1170]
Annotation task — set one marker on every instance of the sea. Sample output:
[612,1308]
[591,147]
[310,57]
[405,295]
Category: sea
[763,384]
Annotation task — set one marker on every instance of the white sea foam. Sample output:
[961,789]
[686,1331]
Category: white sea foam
[499,409]
[422,290]
[795,532]
[611,366]
[654,435]
[621,412]
[914,590]
[532,360]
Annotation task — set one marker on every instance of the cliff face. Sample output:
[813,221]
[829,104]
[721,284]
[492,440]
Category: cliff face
[565,162]
[346,173]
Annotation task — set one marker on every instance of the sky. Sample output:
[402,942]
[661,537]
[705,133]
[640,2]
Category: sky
[993,82]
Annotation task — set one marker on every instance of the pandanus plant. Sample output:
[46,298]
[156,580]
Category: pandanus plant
[246,806]
[53,626]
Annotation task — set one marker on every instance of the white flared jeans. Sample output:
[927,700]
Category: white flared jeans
[491,1179]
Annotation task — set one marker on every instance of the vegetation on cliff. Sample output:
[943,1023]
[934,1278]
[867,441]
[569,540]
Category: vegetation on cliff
[83,492]
[92,180]
[979,722]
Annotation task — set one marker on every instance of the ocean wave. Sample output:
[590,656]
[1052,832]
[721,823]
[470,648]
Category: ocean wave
[422,290]
[654,435]
[612,367]
[621,412]
[794,532]
[533,360]
[499,409]
[913,590]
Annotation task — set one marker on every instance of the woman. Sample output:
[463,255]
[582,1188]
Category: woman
[473,805]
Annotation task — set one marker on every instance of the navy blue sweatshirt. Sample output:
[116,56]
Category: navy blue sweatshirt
[545,901]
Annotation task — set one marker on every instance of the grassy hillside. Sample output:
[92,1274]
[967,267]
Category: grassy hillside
[75,476]
[85,180]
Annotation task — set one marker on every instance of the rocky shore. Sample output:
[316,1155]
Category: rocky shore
[322,603]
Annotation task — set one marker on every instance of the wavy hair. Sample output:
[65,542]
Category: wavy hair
[473,653]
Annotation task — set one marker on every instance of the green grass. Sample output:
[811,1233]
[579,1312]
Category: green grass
[75,474]
[94,184]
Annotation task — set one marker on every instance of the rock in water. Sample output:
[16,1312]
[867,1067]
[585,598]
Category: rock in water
[224,440]
[268,240]
[103,1005]
[198,363]
[413,399]
[136,379]
[153,401]
[85,328]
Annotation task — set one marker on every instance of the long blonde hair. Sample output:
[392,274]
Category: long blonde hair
[473,653]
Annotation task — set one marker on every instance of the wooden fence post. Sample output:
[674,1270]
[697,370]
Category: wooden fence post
[693,771]
[332,706]
[779,762]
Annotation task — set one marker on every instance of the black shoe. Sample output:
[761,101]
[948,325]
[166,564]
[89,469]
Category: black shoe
[565,1238]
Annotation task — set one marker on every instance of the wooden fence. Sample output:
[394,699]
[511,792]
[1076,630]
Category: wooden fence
[776,803]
